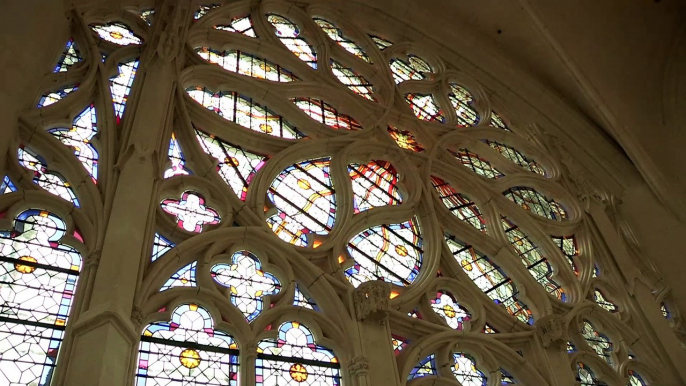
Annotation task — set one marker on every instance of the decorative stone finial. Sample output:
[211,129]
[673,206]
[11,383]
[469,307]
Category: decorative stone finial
[372,300]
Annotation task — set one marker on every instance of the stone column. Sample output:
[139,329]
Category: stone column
[551,333]
[105,338]
[376,365]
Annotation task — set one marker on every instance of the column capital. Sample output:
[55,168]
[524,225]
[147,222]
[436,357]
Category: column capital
[552,331]
[359,366]
[372,301]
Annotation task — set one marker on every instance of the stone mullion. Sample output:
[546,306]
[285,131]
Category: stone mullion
[105,333]
[551,333]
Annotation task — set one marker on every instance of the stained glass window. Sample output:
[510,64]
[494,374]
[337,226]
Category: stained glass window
[51,181]
[497,121]
[414,68]
[294,358]
[535,202]
[663,308]
[398,344]
[533,258]
[69,58]
[289,33]
[187,350]
[464,369]
[185,277]
[381,43]
[506,378]
[7,186]
[490,278]
[177,160]
[635,379]
[160,246]
[462,101]
[425,107]
[80,138]
[478,165]
[337,36]
[243,111]
[459,204]
[414,314]
[203,9]
[302,300]
[597,341]
[121,86]
[489,329]
[39,276]
[57,95]
[445,305]
[389,252]
[247,282]
[305,199]
[235,166]
[117,33]
[516,157]
[191,212]
[354,81]
[405,139]
[323,112]
[374,184]
[570,347]
[241,25]
[425,367]
[602,301]
[246,64]
[586,377]
[148,16]
[567,245]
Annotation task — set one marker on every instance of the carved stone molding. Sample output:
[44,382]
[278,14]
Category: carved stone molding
[137,315]
[359,366]
[551,331]
[372,301]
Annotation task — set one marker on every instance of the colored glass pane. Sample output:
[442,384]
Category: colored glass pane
[323,112]
[57,95]
[663,307]
[462,100]
[516,157]
[51,181]
[602,301]
[464,369]
[459,204]
[204,9]
[191,212]
[405,139]
[187,350]
[246,64]
[241,25]
[597,342]
[570,347]
[635,379]
[120,86]
[425,367]
[374,184]
[490,278]
[248,283]
[148,16]
[177,161]
[185,277]
[586,377]
[244,111]
[425,107]
[389,252]
[536,203]
[7,186]
[302,300]
[567,245]
[506,378]
[39,276]
[335,34]
[381,43]
[161,246]
[414,68]
[289,34]
[477,164]
[445,305]
[354,81]
[70,57]
[117,33]
[294,358]
[497,121]
[398,344]
[489,330]
[80,137]
[305,200]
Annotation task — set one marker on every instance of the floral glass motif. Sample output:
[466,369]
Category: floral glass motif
[354,81]
[425,367]
[302,300]
[160,246]
[305,200]
[602,301]
[335,34]
[39,276]
[7,186]
[462,100]
[405,139]
[478,165]
[506,378]
[294,358]
[533,258]
[57,95]
[70,57]
[177,161]
[187,350]
[586,377]
[241,25]
[323,112]
[597,342]
[497,121]
[389,252]
[51,181]
[374,185]
[185,277]
[148,16]
[244,111]
[425,107]
[398,344]
[450,310]
[414,68]
[490,278]
[567,245]
[516,157]
[247,281]
[235,166]
[464,369]
[246,64]
[635,379]
[120,86]
[536,203]
[191,212]
[117,33]
[381,43]
[459,204]
[80,138]
[289,34]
